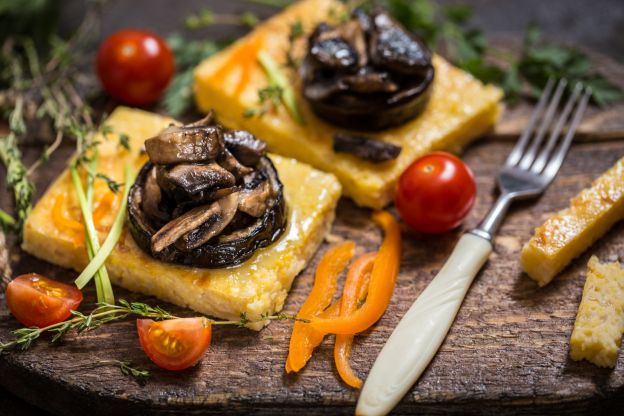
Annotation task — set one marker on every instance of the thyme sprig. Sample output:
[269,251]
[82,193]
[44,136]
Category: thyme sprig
[107,312]
[128,369]
[269,99]
[42,88]
[206,17]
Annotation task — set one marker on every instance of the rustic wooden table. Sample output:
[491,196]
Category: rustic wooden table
[507,351]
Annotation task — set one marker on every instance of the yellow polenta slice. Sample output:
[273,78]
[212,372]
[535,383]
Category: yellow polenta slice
[257,286]
[460,109]
[571,231]
[599,324]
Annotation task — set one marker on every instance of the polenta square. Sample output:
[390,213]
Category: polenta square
[259,285]
[460,108]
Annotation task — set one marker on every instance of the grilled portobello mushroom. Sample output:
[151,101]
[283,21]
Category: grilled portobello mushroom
[212,207]
[369,73]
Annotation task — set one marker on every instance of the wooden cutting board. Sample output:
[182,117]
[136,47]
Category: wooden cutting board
[508,349]
[506,353]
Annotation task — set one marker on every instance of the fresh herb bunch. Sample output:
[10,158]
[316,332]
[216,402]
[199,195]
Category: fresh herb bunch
[44,89]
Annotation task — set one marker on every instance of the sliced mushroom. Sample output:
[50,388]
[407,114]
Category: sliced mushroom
[372,150]
[232,165]
[185,180]
[387,86]
[152,198]
[244,146]
[363,19]
[253,228]
[322,89]
[204,226]
[208,230]
[367,80]
[335,53]
[255,201]
[176,228]
[185,144]
[209,120]
[394,48]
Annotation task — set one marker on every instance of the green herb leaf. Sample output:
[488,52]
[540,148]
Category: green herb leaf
[178,98]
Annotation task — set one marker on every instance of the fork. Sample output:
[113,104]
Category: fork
[529,169]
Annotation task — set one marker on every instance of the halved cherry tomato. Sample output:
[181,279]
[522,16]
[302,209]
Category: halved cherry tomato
[135,66]
[435,193]
[175,344]
[35,300]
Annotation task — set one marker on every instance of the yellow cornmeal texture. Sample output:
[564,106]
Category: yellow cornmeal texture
[599,322]
[461,108]
[571,231]
[258,286]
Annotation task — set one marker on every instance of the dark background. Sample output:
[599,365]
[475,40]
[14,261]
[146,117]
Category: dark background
[594,24]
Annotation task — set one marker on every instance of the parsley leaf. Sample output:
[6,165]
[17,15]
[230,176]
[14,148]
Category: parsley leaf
[178,98]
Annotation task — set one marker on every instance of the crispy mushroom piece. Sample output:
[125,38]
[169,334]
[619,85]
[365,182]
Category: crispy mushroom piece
[372,150]
[152,198]
[244,146]
[176,228]
[201,235]
[185,180]
[255,201]
[394,48]
[368,80]
[185,144]
[232,165]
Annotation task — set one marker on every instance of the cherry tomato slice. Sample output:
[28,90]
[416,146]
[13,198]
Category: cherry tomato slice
[35,300]
[175,344]
[135,66]
[435,193]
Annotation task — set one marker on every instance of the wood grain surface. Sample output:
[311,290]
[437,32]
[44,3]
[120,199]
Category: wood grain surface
[507,352]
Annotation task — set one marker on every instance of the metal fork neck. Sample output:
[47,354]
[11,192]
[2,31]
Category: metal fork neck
[493,220]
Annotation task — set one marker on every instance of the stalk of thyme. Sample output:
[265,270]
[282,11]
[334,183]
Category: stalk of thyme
[107,312]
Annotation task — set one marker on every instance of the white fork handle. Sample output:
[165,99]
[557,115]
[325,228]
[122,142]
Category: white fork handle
[420,333]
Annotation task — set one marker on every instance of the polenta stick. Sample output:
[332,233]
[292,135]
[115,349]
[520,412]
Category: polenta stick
[599,322]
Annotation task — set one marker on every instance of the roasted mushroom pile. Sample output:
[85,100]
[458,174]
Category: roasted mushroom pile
[208,197]
[367,73]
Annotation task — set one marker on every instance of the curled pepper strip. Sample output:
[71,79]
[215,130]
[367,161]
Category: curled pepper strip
[304,339]
[355,288]
[60,219]
[381,286]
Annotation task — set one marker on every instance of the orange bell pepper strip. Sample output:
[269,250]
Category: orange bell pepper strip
[61,221]
[245,58]
[303,338]
[102,207]
[380,288]
[355,288]
[314,337]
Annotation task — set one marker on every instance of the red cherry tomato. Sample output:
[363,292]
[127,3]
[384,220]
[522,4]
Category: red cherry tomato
[35,300]
[175,344]
[135,66]
[435,193]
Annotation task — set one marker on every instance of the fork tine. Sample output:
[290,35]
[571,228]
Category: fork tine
[517,151]
[560,153]
[529,155]
[541,160]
